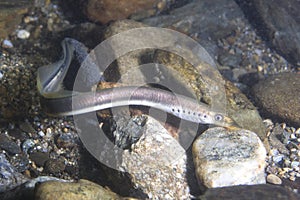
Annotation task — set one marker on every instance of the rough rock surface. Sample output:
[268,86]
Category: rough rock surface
[279,22]
[226,158]
[278,97]
[9,176]
[157,164]
[82,190]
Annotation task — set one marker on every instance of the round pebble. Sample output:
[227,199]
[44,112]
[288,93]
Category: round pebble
[273,179]
[7,44]
[23,34]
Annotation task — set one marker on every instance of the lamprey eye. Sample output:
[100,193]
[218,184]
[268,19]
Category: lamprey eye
[218,117]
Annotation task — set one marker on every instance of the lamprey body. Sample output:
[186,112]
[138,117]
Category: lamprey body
[56,101]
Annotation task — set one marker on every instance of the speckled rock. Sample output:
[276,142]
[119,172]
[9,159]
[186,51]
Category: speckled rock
[250,192]
[157,164]
[279,22]
[82,190]
[278,97]
[9,176]
[226,158]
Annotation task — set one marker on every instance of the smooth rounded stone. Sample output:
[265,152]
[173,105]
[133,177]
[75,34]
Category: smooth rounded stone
[82,190]
[226,158]
[7,44]
[157,164]
[271,178]
[8,145]
[278,21]
[105,11]
[278,97]
[23,34]
[250,192]
[26,189]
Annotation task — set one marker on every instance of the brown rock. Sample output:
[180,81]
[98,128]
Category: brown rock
[83,190]
[105,11]
[278,97]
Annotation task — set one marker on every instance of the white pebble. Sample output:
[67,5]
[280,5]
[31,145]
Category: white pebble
[293,136]
[1,75]
[258,52]
[23,34]
[271,178]
[41,133]
[159,138]
[295,164]
[7,44]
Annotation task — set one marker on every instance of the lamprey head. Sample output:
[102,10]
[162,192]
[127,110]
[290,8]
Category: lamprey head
[224,121]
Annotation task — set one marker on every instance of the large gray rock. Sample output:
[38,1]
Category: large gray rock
[157,164]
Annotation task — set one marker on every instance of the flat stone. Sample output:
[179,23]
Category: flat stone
[250,192]
[82,190]
[227,158]
[278,97]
